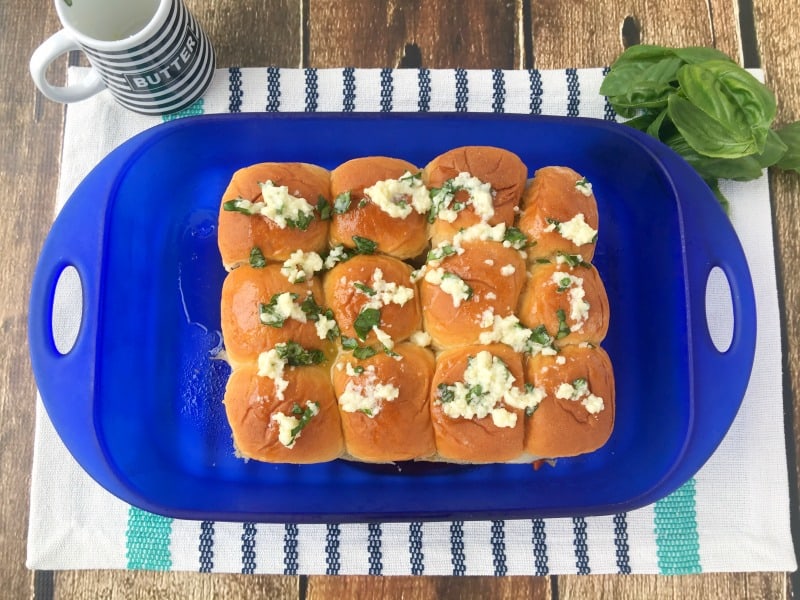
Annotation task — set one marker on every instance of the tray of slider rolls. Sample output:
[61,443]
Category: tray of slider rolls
[327,318]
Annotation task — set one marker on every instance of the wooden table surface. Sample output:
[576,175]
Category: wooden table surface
[509,34]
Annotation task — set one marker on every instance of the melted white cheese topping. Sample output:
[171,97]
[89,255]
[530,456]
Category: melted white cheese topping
[279,205]
[301,266]
[398,197]
[579,390]
[367,396]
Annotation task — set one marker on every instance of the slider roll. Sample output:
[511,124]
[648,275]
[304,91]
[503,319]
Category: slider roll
[383,403]
[569,301]
[261,309]
[576,415]
[473,184]
[559,214]
[471,394]
[374,299]
[291,419]
[381,199]
[278,208]
[464,291]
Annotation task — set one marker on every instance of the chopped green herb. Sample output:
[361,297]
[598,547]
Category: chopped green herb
[529,410]
[447,393]
[240,205]
[543,261]
[540,336]
[465,286]
[516,238]
[390,352]
[324,208]
[555,223]
[297,356]
[475,393]
[358,369]
[362,203]
[364,352]
[349,343]
[411,177]
[302,221]
[364,245]
[341,203]
[440,252]
[442,197]
[366,411]
[257,260]
[573,260]
[563,284]
[580,385]
[268,313]
[563,328]
[313,311]
[364,288]
[312,408]
[365,321]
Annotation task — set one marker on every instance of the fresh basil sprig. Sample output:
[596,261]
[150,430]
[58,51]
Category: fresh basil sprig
[704,106]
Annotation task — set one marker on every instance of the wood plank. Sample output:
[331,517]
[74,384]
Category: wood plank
[88,585]
[676,23]
[28,175]
[753,586]
[777,25]
[251,33]
[435,32]
[418,588]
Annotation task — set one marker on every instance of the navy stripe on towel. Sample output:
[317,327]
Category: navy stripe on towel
[235,88]
[290,564]
[249,549]
[206,546]
[273,89]
[387,89]
[374,547]
[499,548]
[573,93]
[415,548]
[579,542]
[349,92]
[539,541]
[537,90]
[621,542]
[462,90]
[424,78]
[498,91]
[332,555]
[312,90]
[609,114]
[457,547]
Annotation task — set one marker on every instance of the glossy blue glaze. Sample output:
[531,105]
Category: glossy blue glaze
[138,399]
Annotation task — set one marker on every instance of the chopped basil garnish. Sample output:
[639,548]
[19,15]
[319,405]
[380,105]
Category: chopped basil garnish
[563,328]
[364,352]
[362,203]
[390,352]
[313,311]
[349,343]
[302,221]
[475,393]
[555,223]
[358,369]
[257,260]
[563,284]
[341,203]
[529,410]
[305,415]
[364,245]
[447,393]
[573,260]
[516,238]
[240,205]
[324,208]
[365,321]
[543,261]
[540,336]
[297,356]
[580,385]
[366,411]
[442,197]
[268,312]
[364,288]
[411,177]
[467,289]
[440,252]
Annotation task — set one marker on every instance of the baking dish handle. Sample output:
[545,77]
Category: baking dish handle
[67,380]
[719,379]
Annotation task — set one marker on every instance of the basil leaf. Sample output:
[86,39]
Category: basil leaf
[440,253]
[302,221]
[324,208]
[364,245]
[297,356]
[790,135]
[268,313]
[446,393]
[364,288]
[305,417]
[698,54]
[341,203]
[349,343]
[365,321]
[257,260]
[364,352]
[540,336]
[516,238]
[238,205]
[563,328]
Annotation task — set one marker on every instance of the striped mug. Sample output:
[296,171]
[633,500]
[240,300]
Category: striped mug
[151,55]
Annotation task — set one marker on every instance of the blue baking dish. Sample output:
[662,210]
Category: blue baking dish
[138,398]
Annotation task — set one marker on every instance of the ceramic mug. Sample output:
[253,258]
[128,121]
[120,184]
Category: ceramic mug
[150,54]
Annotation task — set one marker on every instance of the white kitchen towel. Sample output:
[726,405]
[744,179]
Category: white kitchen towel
[732,516]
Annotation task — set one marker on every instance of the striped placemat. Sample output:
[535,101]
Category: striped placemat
[731,516]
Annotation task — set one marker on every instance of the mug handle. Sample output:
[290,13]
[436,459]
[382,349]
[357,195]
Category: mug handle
[56,45]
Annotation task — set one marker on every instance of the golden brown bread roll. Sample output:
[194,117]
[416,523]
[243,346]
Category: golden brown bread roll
[559,214]
[385,212]
[277,239]
[301,427]
[571,302]
[244,291]
[372,297]
[502,170]
[577,413]
[457,291]
[488,429]
[383,404]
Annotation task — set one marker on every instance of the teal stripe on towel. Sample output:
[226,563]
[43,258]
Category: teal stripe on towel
[676,532]
[147,541]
